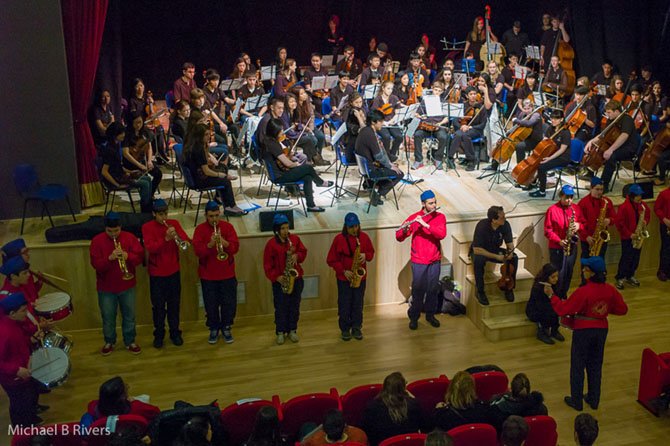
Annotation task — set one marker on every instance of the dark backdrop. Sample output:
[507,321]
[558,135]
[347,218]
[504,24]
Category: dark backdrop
[151,39]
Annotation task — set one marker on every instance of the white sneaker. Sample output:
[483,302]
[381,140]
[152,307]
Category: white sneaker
[280,338]
[293,336]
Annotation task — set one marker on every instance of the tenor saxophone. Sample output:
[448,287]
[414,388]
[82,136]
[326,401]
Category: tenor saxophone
[601,234]
[641,232]
[356,268]
[126,274]
[290,273]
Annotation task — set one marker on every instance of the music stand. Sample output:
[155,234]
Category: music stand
[496,177]
[453,111]
[403,118]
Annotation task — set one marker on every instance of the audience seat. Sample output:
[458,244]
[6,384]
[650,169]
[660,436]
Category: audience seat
[405,440]
[654,378]
[238,419]
[355,401]
[541,431]
[303,409]
[475,434]
[113,424]
[488,384]
[429,392]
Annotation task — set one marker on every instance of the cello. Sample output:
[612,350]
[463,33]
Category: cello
[577,116]
[525,171]
[594,159]
[651,153]
[506,146]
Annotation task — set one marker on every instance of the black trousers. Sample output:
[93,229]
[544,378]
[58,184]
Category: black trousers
[524,147]
[546,167]
[586,248]
[663,164]
[629,261]
[664,262]
[165,300]
[565,268]
[23,399]
[391,139]
[425,281]
[350,305]
[385,186]
[464,140]
[220,299]
[287,306]
[226,194]
[307,174]
[610,164]
[588,349]
[480,266]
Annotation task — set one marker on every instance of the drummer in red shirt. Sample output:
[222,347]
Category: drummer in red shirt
[15,347]
[111,252]
[18,248]
[589,305]
[19,280]
[163,239]
[427,228]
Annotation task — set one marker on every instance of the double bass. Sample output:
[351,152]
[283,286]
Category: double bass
[594,159]
[505,147]
[566,54]
[491,50]
[651,153]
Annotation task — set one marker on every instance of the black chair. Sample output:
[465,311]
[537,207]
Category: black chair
[272,176]
[110,190]
[364,170]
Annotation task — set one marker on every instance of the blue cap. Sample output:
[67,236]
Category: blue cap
[635,189]
[427,195]
[12,302]
[13,266]
[567,190]
[159,205]
[595,264]
[13,248]
[596,181]
[279,219]
[212,206]
[351,219]
[112,219]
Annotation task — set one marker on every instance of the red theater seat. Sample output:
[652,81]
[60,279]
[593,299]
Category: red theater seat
[238,420]
[654,378]
[305,409]
[405,440]
[541,431]
[356,400]
[474,435]
[488,384]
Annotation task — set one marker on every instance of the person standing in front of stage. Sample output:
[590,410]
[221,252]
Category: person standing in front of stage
[632,235]
[350,283]
[114,256]
[589,304]
[287,280]
[16,338]
[592,207]
[561,225]
[427,228]
[159,237]
[662,210]
[216,243]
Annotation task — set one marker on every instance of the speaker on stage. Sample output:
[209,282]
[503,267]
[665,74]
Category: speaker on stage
[267,217]
[647,189]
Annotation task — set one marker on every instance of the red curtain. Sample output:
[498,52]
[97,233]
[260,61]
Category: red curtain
[83,25]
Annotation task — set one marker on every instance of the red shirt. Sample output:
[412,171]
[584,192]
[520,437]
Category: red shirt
[14,349]
[209,267]
[627,217]
[29,290]
[662,205]
[426,246]
[163,254]
[591,208]
[274,257]
[182,90]
[137,407]
[109,277]
[556,223]
[340,255]
[594,301]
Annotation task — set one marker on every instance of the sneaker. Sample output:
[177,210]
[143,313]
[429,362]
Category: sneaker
[482,298]
[432,320]
[228,336]
[577,406]
[213,336]
[417,165]
[293,336]
[177,339]
[315,209]
[107,349]
[280,339]
[491,167]
[557,335]
[470,167]
[509,296]
[619,284]
[346,335]
[543,336]
[134,349]
[538,194]
[413,325]
[158,342]
[357,333]
[633,281]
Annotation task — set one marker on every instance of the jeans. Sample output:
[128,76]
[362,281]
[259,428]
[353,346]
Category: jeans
[350,305]
[145,187]
[425,281]
[287,306]
[629,261]
[165,297]
[220,299]
[108,303]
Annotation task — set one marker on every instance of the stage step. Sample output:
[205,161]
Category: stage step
[460,248]
[508,327]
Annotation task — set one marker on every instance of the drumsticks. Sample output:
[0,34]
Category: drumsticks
[53,277]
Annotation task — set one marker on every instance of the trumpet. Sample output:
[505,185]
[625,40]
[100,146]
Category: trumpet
[409,223]
[181,244]
[221,254]
[127,275]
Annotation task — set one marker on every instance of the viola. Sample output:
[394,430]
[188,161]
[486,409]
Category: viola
[506,281]
[386,109]
[416,90]
[652,152]
[467,116]
[525,171]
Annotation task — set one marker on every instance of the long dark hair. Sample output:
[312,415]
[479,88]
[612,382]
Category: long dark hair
[195,139]
[543,276]
[112,398]
[394,396]
[193,433]
[266,428]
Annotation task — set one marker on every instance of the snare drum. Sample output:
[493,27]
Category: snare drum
[55,306]
[57,340]
[50,366]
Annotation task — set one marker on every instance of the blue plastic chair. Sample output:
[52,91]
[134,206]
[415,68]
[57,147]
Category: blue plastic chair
[272,176]
[340,173]
[28,186]
[189,183]
[364,171]
[169,99]
[576,154]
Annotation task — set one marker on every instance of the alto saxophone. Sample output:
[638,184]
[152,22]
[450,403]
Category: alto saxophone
[601,234]
[641,233]
[127,275]
[221,254]
[356,268]
[181,244]
[570,235]
[290,273]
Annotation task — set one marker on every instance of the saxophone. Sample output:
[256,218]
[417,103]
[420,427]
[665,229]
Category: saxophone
[221,254]
[570,235]
[601,234]
[127,275]
[356,268]
[290,273]
[641,233]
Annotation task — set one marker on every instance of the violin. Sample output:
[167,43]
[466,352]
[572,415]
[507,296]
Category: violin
[149,109]
[416,90]
[467,116]
[506,281]
[386,109]
[652,152]
[525,171]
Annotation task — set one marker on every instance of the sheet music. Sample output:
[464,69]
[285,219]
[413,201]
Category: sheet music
[340,57]
[327,61]
[232,84]
[370,91]
[520,72]
[263,101]
[461,79]
[453,110]
[268,73]
[601,90]
[412,126]
[433,105]
[539,98]
[533,52]
[339,133]
[402,114]
[251,104]
[236,110]
[342,103]
[331,81]
[318,83]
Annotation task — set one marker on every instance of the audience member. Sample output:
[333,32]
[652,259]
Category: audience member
[521,401]
[461,405]
[196,432]
[438,438]
[266,429]
[586,429]
[334,430]
[113,399]
[514,431]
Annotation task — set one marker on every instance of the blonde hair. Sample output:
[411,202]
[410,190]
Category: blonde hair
[461,391]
